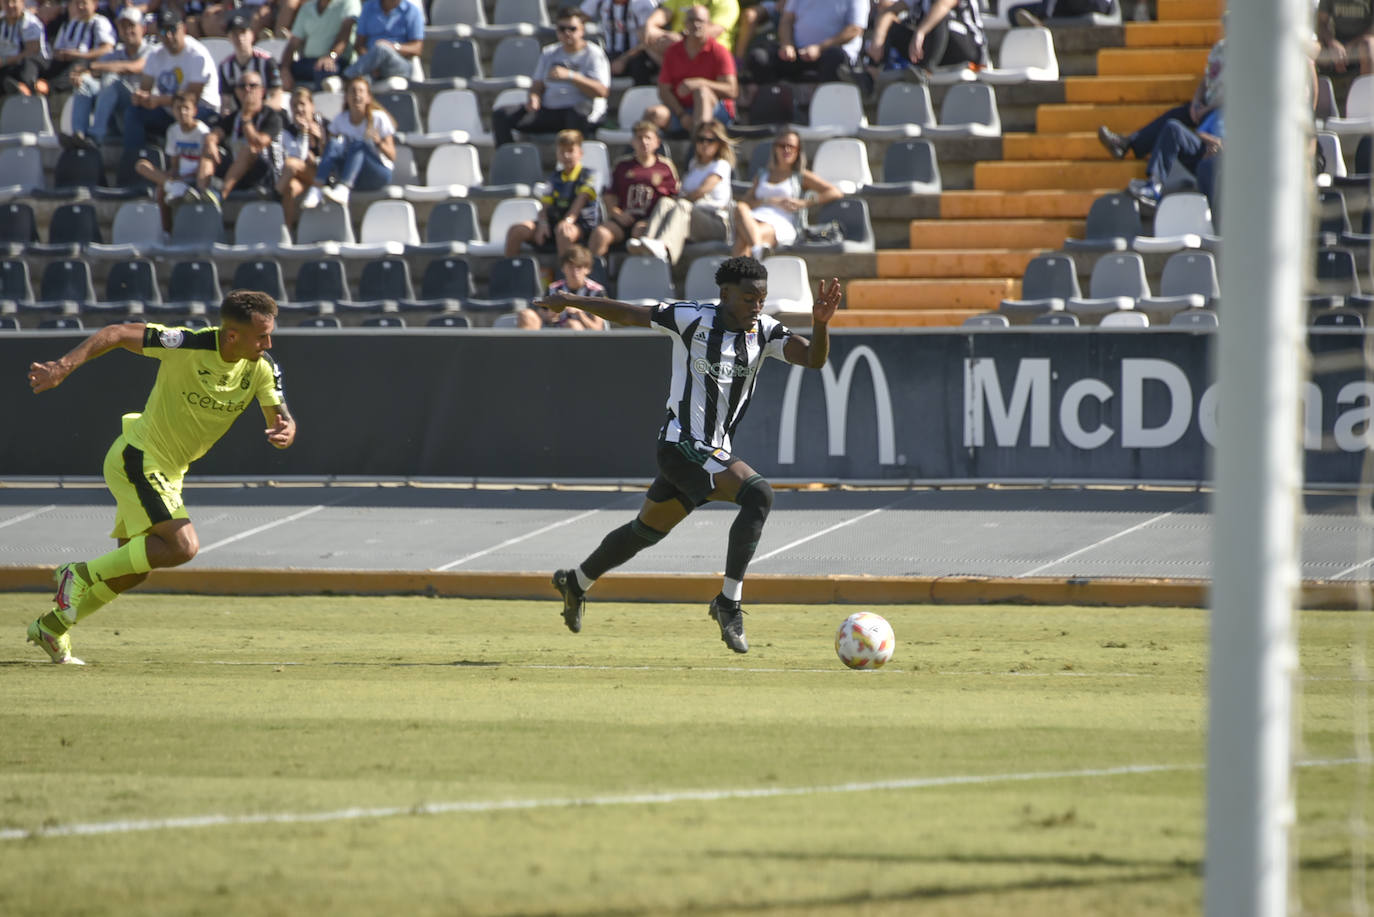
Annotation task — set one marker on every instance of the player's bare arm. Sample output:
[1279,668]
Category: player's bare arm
[613,310]
[49,375]
[281,426]
[815,352]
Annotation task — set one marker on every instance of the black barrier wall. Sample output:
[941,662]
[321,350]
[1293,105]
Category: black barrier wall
[898,405]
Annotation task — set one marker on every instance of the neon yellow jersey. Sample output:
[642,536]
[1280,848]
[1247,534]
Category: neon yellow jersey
[196,396]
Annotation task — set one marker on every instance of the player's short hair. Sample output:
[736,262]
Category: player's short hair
[568,137]
[241,305]
[577,256]
[739,269]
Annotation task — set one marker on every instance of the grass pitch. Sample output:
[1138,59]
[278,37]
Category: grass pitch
[430,756]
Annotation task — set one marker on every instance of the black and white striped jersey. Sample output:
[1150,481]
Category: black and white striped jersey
[84,34]
[714,370]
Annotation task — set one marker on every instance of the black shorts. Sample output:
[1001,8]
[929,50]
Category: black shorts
[686,472]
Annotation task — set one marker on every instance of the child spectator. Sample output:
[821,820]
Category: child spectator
[576,264]
[638,182]
[569,212]
[702,209]
[185,146]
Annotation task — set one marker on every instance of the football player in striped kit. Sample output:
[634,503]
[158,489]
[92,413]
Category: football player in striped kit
[718,351]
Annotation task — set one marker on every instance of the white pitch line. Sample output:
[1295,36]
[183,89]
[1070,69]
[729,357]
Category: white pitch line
[516,540]
[262,528]
[1349,570]
[87,829]
[1097,544]
[27,516]
[826,531]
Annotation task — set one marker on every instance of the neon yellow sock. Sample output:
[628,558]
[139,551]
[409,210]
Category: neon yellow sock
[122,561]
[96,598]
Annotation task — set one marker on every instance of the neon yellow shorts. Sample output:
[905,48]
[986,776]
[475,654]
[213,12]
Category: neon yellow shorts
[144,493]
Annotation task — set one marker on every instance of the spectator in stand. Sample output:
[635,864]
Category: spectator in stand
[576,265]
[303,140]
[204,18]
[935,33]
[248,151]
[1206,99]
[571,84]
[665,27]
[390,35]
[697,83]
[185,146]
[702,208]
[622,36]
[321,42]
[1345,30]
[1177,144]
[1031,14]
[361,151]
[638,182]
[23,49]
[771,213]
[101,97]
[569,213]
[818,42]
[181,65]
[754,17]
[85,37]
[246,59]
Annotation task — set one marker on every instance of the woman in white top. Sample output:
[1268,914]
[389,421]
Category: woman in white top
[770,214]
[361,151]
[701,210]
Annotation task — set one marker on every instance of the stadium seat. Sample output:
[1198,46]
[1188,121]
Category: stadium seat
[453,171]
[71,228]
[633,103]
[1113,223]
[644,280]
[1050,280]
[259,229]
[454,117]
[597,157]
[747,169]
[263,275]
[515,58]
[193,287]
[1194,318]
[26,121]
[516,168]
[61,323]
[320,321]
[136,231]
[700,283]
[509,320]
[445,286]
[1183,220]
[322,283]
[909,167]
[219,48]
[451,226]
[18,228]
[1127,318]
[273,46]
[1336,272]
[9,323]
[855,223]
[1330,145]
[324,228]
[1359,108]
[196,228]
[454,18]
[128,183]
[1333,218]
[512,285]
[389,222]
[516,17]
[328,104]
[16,288]
[507,214]
[21,171]
[1326,101]
[78,169]
[130,286]
[449,320]
[384,321]
[1188,281]
[789,285]
[987,320]
[453,64]
[65,286]
[404,108]
[904,111]
[968,110]
[384,285]
[836,110]
[1118,280]
[1337,318]
[1058,319]
[1026,55]
[843,161]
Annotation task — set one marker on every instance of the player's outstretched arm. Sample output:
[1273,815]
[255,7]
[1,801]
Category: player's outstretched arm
[281,426]
[613,310]
[815,352]
[49,375]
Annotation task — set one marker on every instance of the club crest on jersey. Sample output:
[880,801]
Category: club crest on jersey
[171,337]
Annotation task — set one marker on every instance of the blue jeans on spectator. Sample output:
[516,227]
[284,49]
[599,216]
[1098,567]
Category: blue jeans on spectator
[98,104]
[1176,143]
[379,62]
[140,122]
[354,163]
[1143,141]
[305,72]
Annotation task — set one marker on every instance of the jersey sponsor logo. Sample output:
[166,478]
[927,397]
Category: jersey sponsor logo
[207,403]
[171,337]
[723,369]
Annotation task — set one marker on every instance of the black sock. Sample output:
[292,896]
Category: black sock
[755,499]
[619,546]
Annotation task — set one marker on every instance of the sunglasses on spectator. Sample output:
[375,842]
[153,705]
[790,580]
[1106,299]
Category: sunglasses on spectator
[567,29]
[250,85]
[785,146]
[708,138]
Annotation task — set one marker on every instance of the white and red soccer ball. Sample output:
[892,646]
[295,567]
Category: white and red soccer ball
[865,641]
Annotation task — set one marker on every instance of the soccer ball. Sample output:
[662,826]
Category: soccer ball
[865,641]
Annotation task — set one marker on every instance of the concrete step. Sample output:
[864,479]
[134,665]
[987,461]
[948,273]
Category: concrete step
[1065,119]
[902,318]
[1142,61]
[957,263]
[1067,174]
[935,235]
[1115,90]
[1075,145]
[1174,10]
[1184,34]
[979,293]
[1045,203]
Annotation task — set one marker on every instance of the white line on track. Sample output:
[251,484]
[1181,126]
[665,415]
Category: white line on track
[516,540]
[577,802]
[262,528]
[826,531]
[29,515]
[1349,570]
[1110,538]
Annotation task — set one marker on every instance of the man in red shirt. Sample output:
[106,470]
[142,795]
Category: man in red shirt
[697,83]
[637,183]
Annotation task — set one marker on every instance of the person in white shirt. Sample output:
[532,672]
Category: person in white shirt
[86,36]
[181,64]
[185,146]
[23,48]
[361,151]
[103,94]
